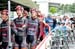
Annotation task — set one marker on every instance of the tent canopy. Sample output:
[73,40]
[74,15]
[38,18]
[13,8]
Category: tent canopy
[27,4]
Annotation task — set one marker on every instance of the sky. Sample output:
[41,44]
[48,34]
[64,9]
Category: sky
[60,1]
[63,1]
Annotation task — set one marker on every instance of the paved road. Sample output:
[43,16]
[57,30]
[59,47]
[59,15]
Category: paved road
[72,46]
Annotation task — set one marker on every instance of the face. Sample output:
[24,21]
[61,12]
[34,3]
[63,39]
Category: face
[25,13]
[40,19]
[4,17]
[65,17]
[38,13]
[34,14]
[4,12]
[19,13]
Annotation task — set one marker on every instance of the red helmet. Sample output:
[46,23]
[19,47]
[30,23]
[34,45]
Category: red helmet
[19,8]
[5,11]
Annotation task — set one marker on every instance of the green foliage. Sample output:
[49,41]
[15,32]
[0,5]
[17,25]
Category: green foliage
[67,8]
[63,8]
[53,10]
[72,8]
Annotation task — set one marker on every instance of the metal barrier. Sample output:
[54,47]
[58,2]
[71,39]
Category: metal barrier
[58,40]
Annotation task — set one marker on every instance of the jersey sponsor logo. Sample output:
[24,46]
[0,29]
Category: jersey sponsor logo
[4,34]
[19,25]
[4,29]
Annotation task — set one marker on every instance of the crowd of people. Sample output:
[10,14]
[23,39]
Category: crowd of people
[28,29]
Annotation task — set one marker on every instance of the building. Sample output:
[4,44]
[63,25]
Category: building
[54,4]
[43,6]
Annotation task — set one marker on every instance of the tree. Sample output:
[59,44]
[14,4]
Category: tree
[53,10]
[61,7]
[72,8]
[65,8]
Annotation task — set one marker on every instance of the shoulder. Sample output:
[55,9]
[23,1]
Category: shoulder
[15,19]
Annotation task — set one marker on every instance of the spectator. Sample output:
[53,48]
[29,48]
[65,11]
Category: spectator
[73,22]
[50,22]
[54,22]
[65,19]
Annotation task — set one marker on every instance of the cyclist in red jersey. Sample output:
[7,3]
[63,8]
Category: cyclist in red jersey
[42,26]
